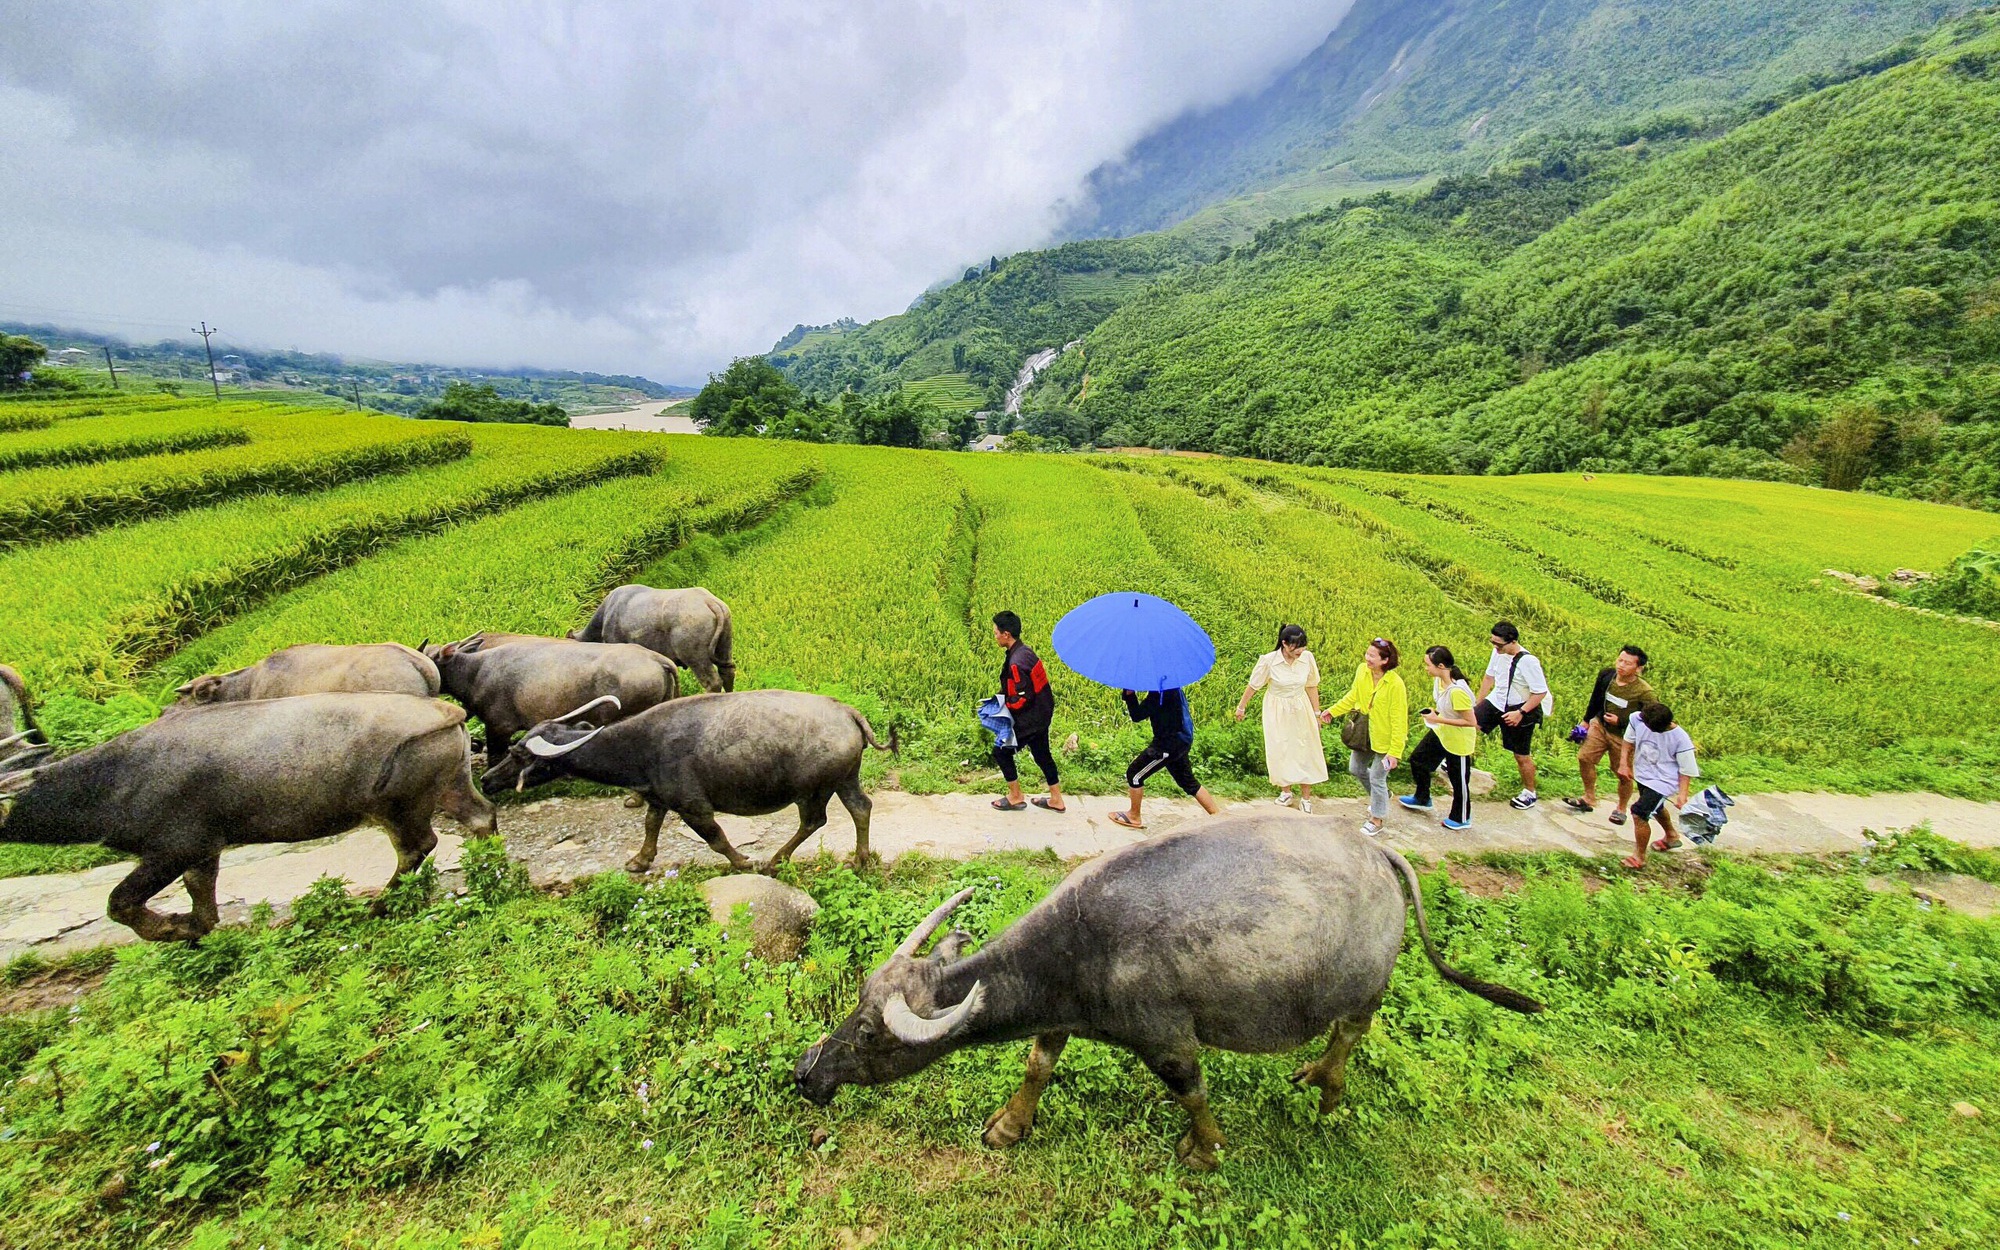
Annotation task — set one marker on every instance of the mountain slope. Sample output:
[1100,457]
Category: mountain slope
[1407,87]
[1815,294]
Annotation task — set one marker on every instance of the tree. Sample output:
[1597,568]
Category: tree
[464,401]
[745,400]
[898,419]
[18,354]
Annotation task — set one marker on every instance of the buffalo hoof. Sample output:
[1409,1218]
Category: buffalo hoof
[1002,1130]
[1330,1090]
[1196,1156]
[633,800]
[771,866]
[638,867]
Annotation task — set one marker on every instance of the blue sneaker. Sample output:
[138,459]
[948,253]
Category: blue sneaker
[1409,801]
[1456,825]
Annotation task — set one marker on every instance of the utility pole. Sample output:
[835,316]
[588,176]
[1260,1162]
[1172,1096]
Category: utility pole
[356,386]
[110,366]
[205,331]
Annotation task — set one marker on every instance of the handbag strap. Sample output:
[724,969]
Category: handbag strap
[1512,669]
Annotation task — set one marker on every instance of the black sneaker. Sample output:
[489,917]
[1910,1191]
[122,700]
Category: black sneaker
[1523,801]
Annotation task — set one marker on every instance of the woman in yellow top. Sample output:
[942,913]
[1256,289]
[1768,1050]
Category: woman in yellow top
[1379,694]
[1453,737]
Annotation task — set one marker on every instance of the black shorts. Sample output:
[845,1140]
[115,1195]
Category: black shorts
[1154,758]
[1648,802]
[1518,739]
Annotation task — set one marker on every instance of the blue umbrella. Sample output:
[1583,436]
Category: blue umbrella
[1133,641]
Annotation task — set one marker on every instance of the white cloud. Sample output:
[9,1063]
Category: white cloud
[619,185]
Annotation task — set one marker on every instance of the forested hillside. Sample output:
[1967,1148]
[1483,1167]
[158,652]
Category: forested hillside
[973,334]
[1814,295]
[1410,87]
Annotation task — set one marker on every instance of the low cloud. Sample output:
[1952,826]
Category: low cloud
[619,185]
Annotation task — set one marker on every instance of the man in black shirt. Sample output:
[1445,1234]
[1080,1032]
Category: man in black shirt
[1024,688]
[1173,736]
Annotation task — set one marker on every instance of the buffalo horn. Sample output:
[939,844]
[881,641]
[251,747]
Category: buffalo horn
[19,737]
[547,750]
[612,699]
[921,934]
[916,1030]
[15,784]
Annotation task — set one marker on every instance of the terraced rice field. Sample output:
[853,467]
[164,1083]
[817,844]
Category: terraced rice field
[871,573]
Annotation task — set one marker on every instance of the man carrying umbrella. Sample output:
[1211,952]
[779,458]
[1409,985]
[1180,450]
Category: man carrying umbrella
[1173,736]
[1131,642]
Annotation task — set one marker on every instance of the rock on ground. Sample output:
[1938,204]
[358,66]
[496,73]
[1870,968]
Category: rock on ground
[779,914]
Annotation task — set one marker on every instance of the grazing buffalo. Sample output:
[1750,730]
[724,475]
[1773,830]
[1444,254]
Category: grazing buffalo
[1255,934]
[17,715]
[319,668]
[179,791]
[510,687]
[690,627]
[745,754]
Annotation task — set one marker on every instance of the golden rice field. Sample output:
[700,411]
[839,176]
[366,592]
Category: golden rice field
[143,541]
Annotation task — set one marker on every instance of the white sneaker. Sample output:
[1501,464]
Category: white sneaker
[1372,828]
[1306,806]
[1284,798]
[1523,801]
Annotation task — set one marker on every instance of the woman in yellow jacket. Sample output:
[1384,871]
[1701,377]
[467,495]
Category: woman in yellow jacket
[1377,693]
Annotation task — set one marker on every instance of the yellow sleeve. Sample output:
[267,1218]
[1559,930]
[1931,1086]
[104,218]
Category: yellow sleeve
[1355,693]
[1397,698]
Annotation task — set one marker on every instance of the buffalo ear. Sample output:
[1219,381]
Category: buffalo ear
[449,650]
[951,946]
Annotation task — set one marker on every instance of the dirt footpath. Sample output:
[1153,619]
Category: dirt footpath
[563,840]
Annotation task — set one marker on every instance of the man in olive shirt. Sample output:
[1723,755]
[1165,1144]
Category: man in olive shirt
[1620,693]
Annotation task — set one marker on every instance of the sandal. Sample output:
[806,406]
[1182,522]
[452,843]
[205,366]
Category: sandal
[1618,818]
[1002,805]
[1661,844]
[1633,862]
[1578,805]
[1042,801]
[1120,818]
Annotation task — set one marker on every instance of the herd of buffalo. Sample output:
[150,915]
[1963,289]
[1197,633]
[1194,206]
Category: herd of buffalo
[1255,934]
[315,740]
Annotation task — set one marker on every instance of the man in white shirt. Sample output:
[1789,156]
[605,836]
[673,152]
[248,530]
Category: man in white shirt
[1511,698]
[1661,762]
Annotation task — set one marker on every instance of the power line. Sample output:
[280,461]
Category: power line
[205,331]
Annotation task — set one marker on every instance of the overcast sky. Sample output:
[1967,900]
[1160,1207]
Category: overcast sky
[620,186]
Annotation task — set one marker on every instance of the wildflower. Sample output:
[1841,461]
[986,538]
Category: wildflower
[150,1149]
[1842,1216]
[646,1144]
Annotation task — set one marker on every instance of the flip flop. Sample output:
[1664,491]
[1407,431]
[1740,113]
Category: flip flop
[1042,802]
[1120,818]
[1633,862]
[1618,818]
[1661,844]
[1002,805]
[1578,805]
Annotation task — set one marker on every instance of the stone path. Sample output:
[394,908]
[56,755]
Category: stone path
[563,840]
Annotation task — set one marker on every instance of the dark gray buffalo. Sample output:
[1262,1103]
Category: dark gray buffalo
[746,754]
[320,668]
[690,627]
[510,687]
[1255,934]
[179,791]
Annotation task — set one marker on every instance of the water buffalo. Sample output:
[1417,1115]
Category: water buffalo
[319,668]
[510,687]
[17,715]
[1254,934]
[486,640]
[746,754]
[179,791]
[690,627]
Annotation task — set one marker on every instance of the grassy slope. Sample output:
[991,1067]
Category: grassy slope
[1725,298]
[1768,1059]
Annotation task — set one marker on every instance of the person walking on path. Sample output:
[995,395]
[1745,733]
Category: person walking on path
[1378,726]
[1512,699]
[1662,763]
[1293,753]
[1450,742]
[1173,736]
[1024,688]
[1620,693]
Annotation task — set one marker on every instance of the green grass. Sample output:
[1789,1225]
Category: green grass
[1770,1058]
[119,437]
[951,392]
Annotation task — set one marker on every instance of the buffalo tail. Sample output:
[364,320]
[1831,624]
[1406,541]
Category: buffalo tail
[868,735]
[1513,1000]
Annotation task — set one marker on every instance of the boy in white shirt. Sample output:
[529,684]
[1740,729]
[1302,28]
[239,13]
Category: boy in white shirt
[1661,762]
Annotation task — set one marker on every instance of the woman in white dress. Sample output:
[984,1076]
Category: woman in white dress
[1293,752]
